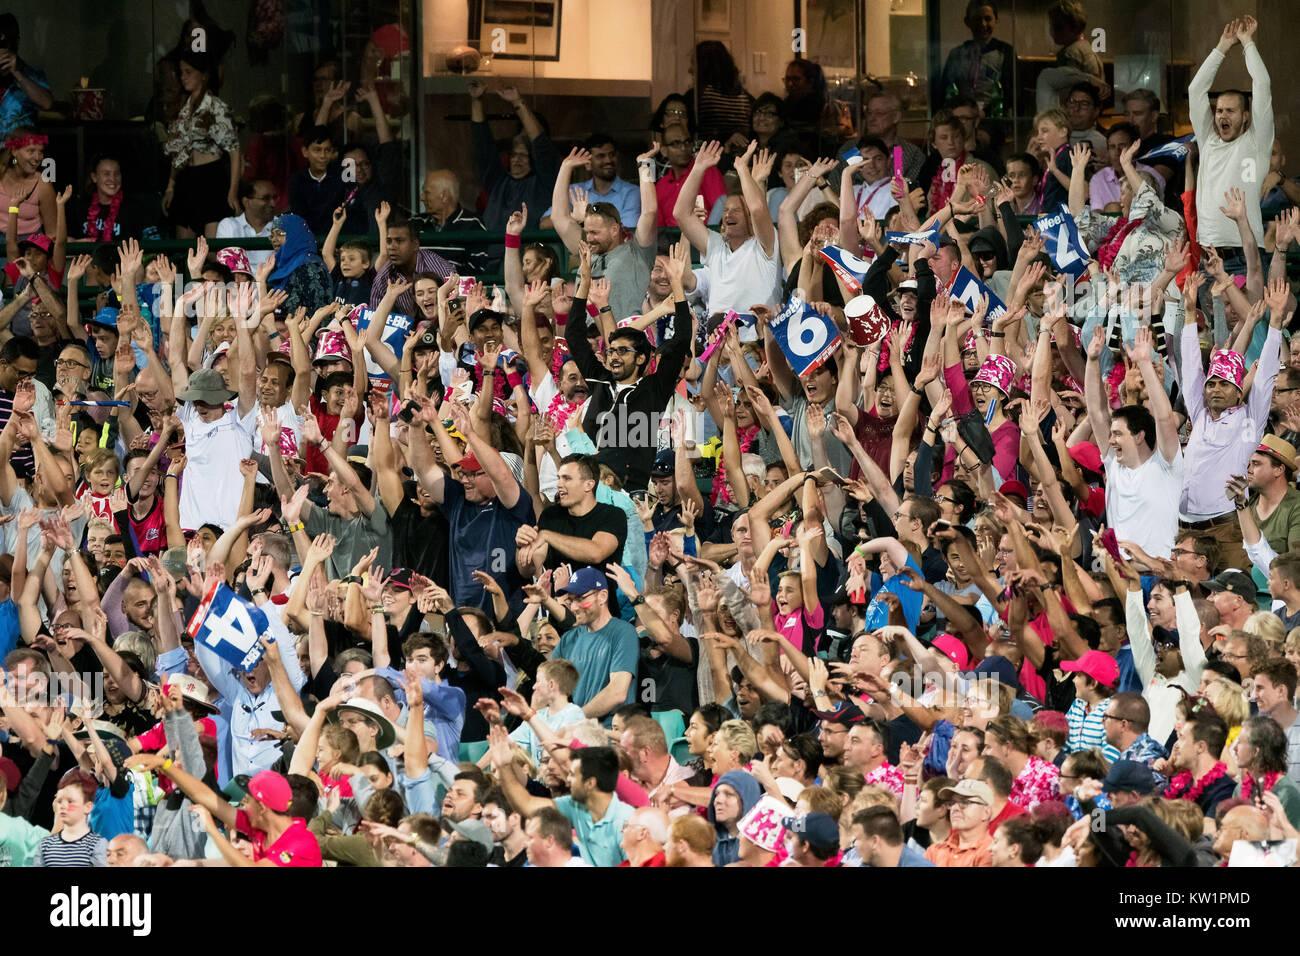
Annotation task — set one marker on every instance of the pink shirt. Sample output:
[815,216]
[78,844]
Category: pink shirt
[796,626]
[296,846]
[1006,438]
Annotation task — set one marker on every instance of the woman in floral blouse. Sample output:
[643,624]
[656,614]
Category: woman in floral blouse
[1010,740]
[201,190]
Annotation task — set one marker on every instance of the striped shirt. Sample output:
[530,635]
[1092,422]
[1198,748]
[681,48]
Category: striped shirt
[89,850]
[1087,730]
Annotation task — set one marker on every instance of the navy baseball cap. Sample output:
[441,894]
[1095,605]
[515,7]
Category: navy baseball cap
[1129,775]
[817,828]
[586,580]
[665,464]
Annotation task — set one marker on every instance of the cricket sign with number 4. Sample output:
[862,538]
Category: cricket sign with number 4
[1062,242]
[229,626]
[807,337]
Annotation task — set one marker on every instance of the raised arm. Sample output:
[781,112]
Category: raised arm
[1161,409]
[561,212]
[753,194]
[710,155]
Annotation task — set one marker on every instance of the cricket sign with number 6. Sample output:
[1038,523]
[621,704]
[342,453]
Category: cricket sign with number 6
[807,337]
[230,626]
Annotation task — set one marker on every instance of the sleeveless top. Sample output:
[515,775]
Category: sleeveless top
[29,214]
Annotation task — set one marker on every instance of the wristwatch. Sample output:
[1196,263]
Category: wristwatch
[638,600]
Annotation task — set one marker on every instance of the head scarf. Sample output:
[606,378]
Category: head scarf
[299,248]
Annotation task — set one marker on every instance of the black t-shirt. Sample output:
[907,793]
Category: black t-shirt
[421,542]
[902,730]
[600,518]
[42,809]
[675,687]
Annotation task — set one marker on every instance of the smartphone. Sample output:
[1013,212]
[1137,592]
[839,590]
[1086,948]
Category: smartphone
[829,475]
[699,202]
[407,414]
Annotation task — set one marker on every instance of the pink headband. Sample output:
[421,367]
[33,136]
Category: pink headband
[1227,365]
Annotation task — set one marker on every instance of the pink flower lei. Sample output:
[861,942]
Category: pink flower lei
[1248,783]
[1181,787]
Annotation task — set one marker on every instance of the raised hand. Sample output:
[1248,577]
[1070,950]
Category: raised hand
[518,219]
[1236,205]
[710,154]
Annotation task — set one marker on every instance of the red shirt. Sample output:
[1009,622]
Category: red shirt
[1008,812]
[155,739]
[670,184]
[296,846]
[657,860]
[312,455]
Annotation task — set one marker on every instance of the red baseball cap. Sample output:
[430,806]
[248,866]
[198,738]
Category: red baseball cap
[1016,488]
[270,789]
[469,463]
[1098,665]
[1086,455]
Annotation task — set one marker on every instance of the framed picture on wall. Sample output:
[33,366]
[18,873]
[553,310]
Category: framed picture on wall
[713,16]
[830,27]
[516,29]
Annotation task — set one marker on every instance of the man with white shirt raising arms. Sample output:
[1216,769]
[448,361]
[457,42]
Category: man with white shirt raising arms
[1235,141]
[1144,463]
[1226,427]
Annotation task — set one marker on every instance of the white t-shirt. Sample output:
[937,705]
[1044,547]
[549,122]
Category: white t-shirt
[1142,502]
[742,278]
[543,393]
[212,485]
[289,419]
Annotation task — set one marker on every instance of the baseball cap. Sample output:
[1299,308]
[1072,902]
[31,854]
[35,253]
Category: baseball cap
[484,315]
[400,578]
[40,240]
[817,828]
[1086,455]
[1098,665]
[476,831]
[975,789]
[1016,488]
[1129,775]
[1236,582]
[953,649]
[665,464]
[907,285]
[268,788]
[585,580]
[427,340]
[469,463]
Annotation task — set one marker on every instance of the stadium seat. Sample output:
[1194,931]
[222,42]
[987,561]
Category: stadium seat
[681,750]
[671,721]
[470,752]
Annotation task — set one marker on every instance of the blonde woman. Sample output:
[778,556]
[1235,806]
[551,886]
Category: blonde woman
[1269,626]
[1229,702]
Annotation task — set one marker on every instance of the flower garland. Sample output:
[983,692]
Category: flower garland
[1248,783]
[95,234]
[721,489]
[1181,787]
[559,412]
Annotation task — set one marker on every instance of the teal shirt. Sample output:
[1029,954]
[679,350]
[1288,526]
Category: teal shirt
[600,843]
[19,840]
[597,654]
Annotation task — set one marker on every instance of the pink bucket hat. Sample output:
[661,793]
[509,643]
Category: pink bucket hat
[762,825]
[332,347]
[1227,365]
[235,259]
[968,342]
[997,370]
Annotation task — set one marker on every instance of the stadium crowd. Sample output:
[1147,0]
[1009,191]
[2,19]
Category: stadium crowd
[833,514]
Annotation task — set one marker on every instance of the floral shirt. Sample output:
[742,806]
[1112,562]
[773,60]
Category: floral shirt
[1146,750]
[887,775]
[207,128]
[1035,784]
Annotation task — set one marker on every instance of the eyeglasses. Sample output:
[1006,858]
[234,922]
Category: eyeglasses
[678,144]
[622,350]
[1180,551]
[70,362]
[676,112]
[948,498]
[1078,102]
[770,113]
